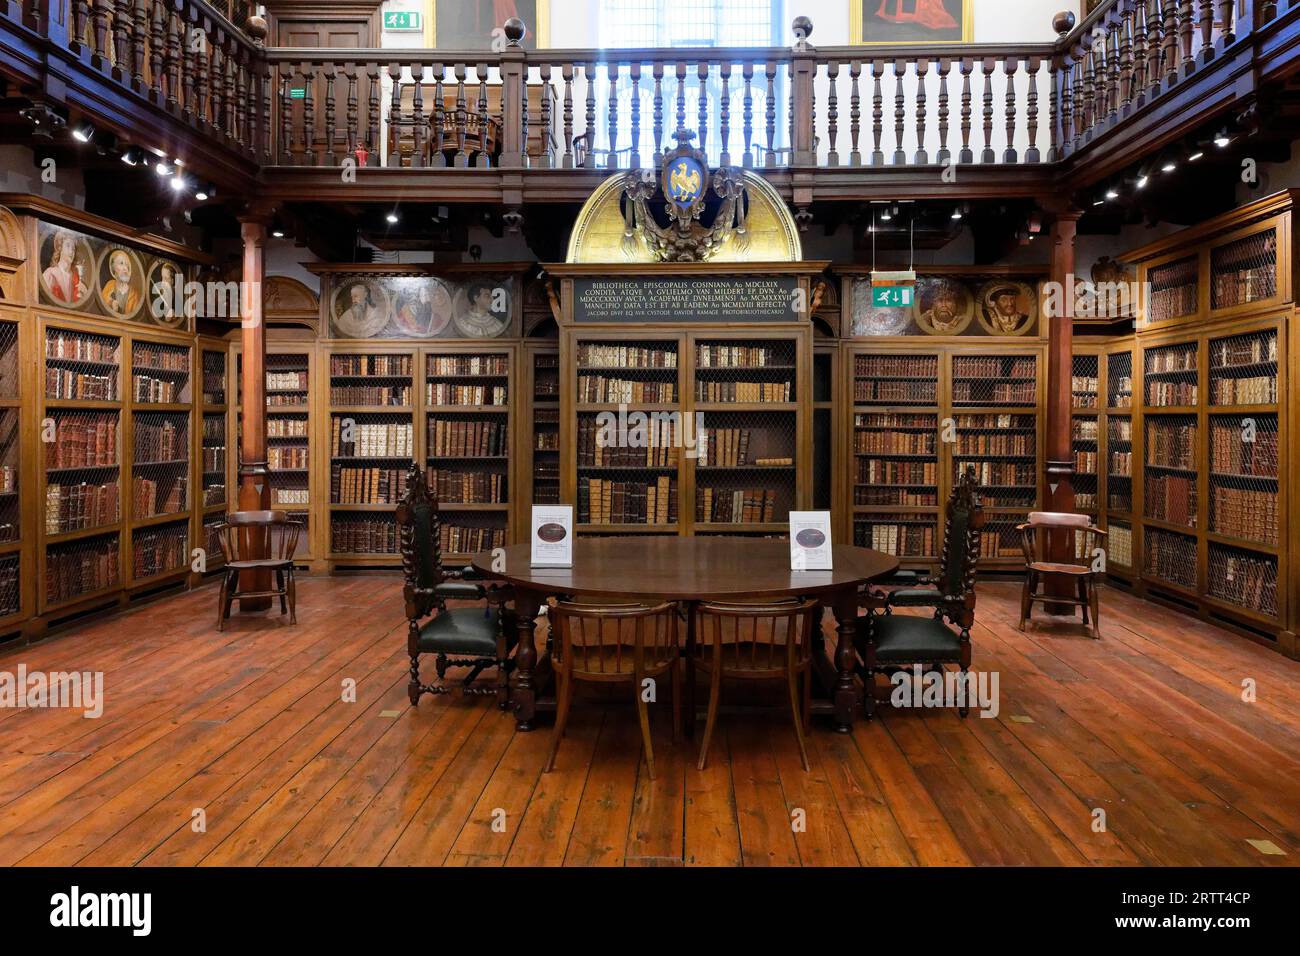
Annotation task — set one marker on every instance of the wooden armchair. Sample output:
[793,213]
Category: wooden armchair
[483,134]
[1085,537]
[472,637]
[245,533]
[893,640]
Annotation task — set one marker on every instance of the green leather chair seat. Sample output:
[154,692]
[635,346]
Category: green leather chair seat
[915,597]
[462,630]
[459,591]
[905,639]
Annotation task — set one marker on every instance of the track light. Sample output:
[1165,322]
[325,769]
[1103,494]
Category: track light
[1169,166]
[277,233]
[83,132]
[1142,180]
[956,213]
[164,168]
[1112,193]
[133,156]
[393,218]
[178,183]
[205,192]
[1222,139]
[1199,154]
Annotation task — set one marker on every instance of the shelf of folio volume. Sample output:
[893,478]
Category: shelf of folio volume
[922,418]
[11,528]
[717,450]
[545,433]
[288,434]
[468,431]
[372,446]
[215,461]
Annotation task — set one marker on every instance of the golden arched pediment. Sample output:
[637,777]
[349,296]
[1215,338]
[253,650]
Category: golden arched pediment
[772,234]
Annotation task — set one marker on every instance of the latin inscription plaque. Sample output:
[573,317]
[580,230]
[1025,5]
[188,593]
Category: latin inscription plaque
[687,299]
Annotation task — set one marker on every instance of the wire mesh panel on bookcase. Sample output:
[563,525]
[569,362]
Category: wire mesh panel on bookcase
[1170,471]
[81,366]
[1244,270]
[160,374]
[999,539]
[159,550]
[627,473]
[545,443]
[370,455]
[1085,381]
[1119,545]
[1243,369]
[363,532]
[1172,290]
[1085,439]
[1119,380]
[9,385]
[905,535]
[892,379]
[1119,464]
[11,601]
[468,402]
[82,470]
[214,377]
[896,457]
[214,459]
[10,443]
[1003,450]
[84,566]
[160,468]
[210,540]
[1245,579]
[379,379]
[995,380]
[1170,557]
[1171,374]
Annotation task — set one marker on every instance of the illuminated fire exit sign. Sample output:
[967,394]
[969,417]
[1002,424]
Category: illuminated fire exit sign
[893,290]
[403,20]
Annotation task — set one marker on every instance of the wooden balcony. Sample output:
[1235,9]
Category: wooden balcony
[519,126]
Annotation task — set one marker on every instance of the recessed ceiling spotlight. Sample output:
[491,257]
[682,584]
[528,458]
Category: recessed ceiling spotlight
[1222,139]
[1199,154]
[1169,166]
[277,233]
[1099,202]
[1112,193]
[178,183]
[1142,181]
[393,218]
[205,192]
[164,168]
[956,213]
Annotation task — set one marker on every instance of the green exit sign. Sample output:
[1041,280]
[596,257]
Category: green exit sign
[893,290]
[403,20]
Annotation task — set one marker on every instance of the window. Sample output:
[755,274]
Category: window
[689,23]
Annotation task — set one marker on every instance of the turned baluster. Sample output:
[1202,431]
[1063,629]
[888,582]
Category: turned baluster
[943,68]
[987,67]
[1126,62]
[241,99]
[439,116]
[1113,74]
[702,77]
[309,114]
[855,112]
[396,119]
[832,113]
[372,126]
[1087,98]
[286,114]
[1169,55]
[99,26]
[566,73]
[589,75]
[266,81]
[899,68]
[218,88]
[922,69]
[201,84]
[1186,31]
[877,113]
[611,161]
[1032,65]
[1227,23]
[330,74]
[658,72]
[462,117]
[157,46]
[1206,18]
[1139,27]
[1155,46]
[770,73]
[139,43]
[966,155]
[724,127]
[1009,67]
[1061,109]
[350,110]
[681,96]
[747,116]
[192,59]
[174,61]
[545,157]
[80,18]
[122,38]
[484,122]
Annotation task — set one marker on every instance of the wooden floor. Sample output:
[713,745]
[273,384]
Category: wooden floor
[246,732]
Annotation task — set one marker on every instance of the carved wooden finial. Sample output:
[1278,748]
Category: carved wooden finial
[515,31]
[1063,23]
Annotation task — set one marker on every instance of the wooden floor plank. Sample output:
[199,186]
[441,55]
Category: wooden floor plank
[250,727]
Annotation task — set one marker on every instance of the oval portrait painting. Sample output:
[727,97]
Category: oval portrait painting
[166,287]
[1007,307]
[121,282]
[810,538]
[551,532]
[67,268]
[482,309]
[360,309]
[943,305]
[421,307]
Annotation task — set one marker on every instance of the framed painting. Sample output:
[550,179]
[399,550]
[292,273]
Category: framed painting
[469,24]
[910,21]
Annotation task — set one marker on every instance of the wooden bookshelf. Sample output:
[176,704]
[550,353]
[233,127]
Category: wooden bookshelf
[467,442]
[372,443]
[540,474]
[215,445]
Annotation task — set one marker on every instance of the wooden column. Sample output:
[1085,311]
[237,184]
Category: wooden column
[254,482]
[1059,453]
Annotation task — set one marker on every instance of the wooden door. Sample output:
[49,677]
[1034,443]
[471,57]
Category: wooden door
[308,86]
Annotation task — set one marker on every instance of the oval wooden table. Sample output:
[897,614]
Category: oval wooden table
[689,570]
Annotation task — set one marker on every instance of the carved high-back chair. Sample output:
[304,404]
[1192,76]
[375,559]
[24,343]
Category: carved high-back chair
[472,637]
[892,640]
